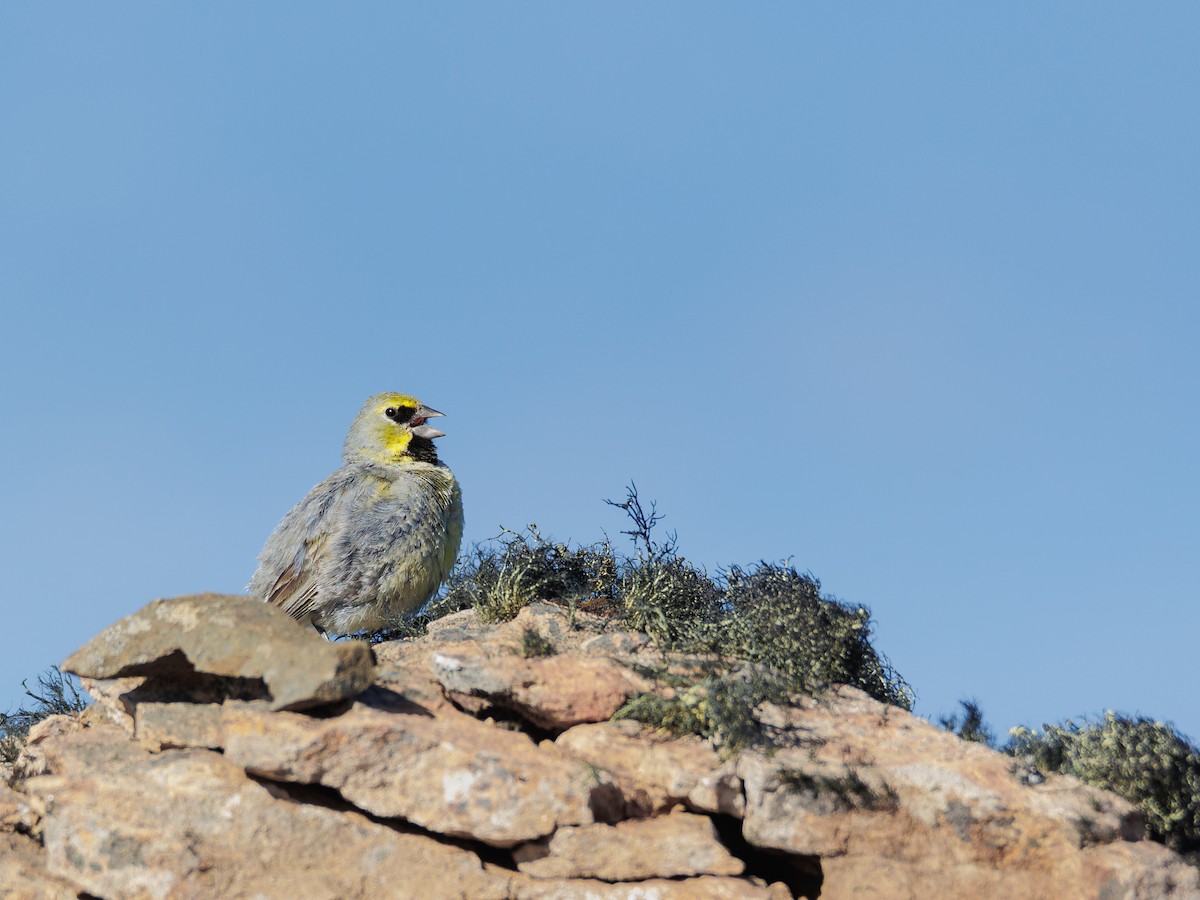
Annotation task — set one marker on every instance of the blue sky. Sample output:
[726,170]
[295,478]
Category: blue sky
[906,295]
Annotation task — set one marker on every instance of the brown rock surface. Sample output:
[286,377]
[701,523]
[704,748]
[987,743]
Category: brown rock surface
[664,846]
[864,780]
[656,771]
[42,737]
[895,807]
[23,872]
[471,770]
[552,692]
[218,646]
[165,725]
[122,822]
[703,888]
[14,810]
[452,773]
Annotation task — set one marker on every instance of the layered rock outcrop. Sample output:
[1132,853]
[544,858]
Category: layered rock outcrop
[230,753]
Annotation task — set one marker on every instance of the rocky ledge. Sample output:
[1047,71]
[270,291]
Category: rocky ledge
[231,753]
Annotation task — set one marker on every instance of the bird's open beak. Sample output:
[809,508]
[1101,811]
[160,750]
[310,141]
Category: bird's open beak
[418,426]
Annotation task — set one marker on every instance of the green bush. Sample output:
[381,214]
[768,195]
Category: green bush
[672,601]
[1146,762]
[718,705]
[778,617]
[521,567]
[769,614]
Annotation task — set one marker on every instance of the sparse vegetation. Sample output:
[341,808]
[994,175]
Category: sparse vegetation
[719,705]
[511,571]
[514,569]
[841,792]
[767,615]
[969,724]
[55,694]
[779,617]
[1146,762]
[523,567]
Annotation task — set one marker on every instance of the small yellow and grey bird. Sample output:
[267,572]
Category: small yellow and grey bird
[374,540]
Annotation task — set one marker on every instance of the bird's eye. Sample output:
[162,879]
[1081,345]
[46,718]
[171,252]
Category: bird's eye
[399,413]
[390,412]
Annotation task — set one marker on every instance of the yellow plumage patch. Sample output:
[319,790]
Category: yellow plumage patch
[395,441]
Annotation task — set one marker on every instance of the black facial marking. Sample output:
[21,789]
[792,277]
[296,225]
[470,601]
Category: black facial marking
[399,413]
[423,449]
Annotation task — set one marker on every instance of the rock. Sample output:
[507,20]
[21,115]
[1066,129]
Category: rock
[655,771]
[798,806]
[167,725]
[560,686]
[23,871]
[870,789]
[189,778]
[881,878]
[157,724]
[704,888]
[553,692]
[451,774]
[1136,869]
[577,633]
[404,670]
[207,647]
[664,847]
[122,822]
[1131,870]
[33,759]
[109,701]
[460,626]
[564,631]
[613,643]
[14,811]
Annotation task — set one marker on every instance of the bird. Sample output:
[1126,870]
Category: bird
[373,541]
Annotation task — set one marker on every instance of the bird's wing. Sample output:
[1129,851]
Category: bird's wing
[296,552]
[295,590]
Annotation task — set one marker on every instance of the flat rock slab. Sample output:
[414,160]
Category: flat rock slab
[553,692]
[14,810]
[705,887]
[655,771]
[886,798]
[123,822]
[162,726]
[1129,870]
[680,844]
[209,647]
[23,871]
[451,774]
